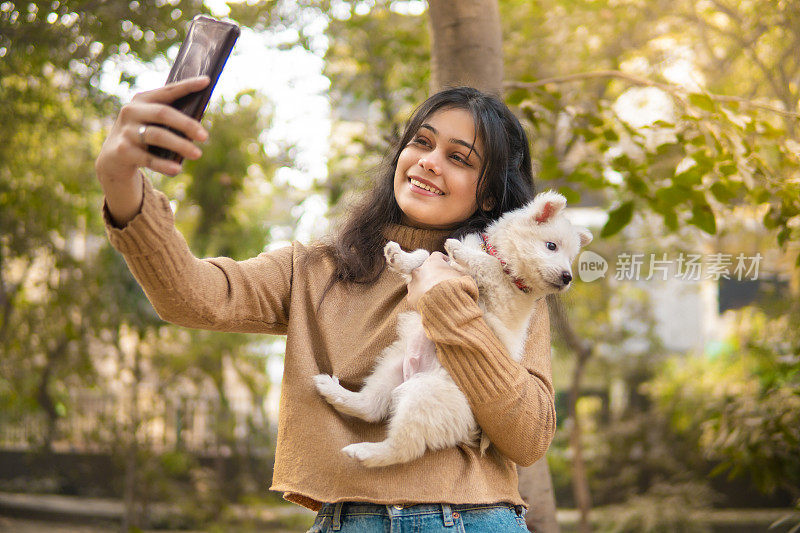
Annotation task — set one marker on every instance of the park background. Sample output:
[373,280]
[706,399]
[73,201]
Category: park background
[671,127]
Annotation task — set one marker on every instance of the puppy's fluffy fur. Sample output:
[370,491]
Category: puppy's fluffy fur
[425,407]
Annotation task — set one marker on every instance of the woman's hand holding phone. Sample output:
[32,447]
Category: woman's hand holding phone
[138,125]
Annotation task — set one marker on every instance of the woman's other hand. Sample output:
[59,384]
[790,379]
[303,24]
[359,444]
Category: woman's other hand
[125,149]
[432,271]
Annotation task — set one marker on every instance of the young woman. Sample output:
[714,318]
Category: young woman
[463,160]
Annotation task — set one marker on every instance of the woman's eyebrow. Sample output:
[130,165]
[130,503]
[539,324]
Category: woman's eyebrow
[454,141]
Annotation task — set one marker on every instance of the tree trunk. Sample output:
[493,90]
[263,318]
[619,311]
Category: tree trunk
[43,396]
[583,352]
[580,480]
[133,516]
[467,49]
[536,488]
[466,44]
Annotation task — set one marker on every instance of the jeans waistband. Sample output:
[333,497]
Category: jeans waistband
[337,510]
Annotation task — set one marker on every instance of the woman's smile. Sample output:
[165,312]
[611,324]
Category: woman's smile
[420,186]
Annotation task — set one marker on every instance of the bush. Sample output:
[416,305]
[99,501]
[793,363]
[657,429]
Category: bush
[741,401]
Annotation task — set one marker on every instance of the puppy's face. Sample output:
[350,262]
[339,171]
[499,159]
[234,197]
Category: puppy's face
[540,244]
[550,249]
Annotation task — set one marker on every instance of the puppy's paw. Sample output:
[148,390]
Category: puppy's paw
[369,454]
[454,247]
[403,262]
[328,387]
[392,252]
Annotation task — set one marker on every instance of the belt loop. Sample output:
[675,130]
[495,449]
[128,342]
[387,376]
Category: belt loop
[337,516]
[447,515]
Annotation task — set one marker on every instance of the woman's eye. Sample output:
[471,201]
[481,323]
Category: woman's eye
[551,246]
[421,140]
[460,159]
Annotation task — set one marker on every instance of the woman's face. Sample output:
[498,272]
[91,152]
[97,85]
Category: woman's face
[443,155]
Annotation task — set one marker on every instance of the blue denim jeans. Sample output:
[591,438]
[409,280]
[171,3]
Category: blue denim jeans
[358,517]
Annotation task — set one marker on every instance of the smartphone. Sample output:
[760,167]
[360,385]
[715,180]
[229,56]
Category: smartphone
[204,52]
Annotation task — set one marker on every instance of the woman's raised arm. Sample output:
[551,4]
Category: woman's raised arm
[217,293]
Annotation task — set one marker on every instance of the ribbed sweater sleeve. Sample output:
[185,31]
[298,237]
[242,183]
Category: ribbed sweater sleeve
[512,402]
[218,293]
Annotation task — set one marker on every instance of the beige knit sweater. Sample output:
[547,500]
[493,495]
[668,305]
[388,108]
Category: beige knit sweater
[512,402]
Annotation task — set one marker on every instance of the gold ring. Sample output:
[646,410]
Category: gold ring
[142,130]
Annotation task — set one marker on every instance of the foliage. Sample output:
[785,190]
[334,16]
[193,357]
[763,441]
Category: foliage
[690,171]
[688,155]
[701,154]
[742,402]
[629,445]
[665,507]
[45,311]
[70,311]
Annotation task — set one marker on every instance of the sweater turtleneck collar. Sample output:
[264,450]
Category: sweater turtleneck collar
[411,239]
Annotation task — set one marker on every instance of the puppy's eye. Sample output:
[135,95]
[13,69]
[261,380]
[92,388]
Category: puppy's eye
[551,246]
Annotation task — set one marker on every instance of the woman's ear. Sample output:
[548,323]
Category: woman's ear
[488,204]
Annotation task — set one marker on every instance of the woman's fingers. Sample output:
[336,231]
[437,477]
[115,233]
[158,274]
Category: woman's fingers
[140,157]
[162,137]
[162,114]
[172,91]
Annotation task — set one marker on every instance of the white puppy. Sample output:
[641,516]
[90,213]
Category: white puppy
[522,257]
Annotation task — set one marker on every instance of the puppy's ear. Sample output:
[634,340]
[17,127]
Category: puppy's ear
[585,236]
[546,205]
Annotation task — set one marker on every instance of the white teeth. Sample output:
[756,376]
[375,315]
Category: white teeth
[426,187]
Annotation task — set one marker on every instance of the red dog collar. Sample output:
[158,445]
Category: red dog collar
[489,249]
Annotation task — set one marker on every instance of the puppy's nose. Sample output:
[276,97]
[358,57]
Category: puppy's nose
[566,277]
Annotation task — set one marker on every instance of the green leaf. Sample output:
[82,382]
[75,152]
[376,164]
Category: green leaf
[689,177]
[671,220]
[727,169]
[670,150]
[637,184]
[722,193]
[703,218]
[610,135]
[698,140]
[588,134]
[673,196]
[618,219]
[770,218]
[594,120]
[703,101]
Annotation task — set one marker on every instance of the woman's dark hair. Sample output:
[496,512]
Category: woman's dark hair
[505,183]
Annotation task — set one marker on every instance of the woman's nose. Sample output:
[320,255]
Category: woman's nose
[430,164]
